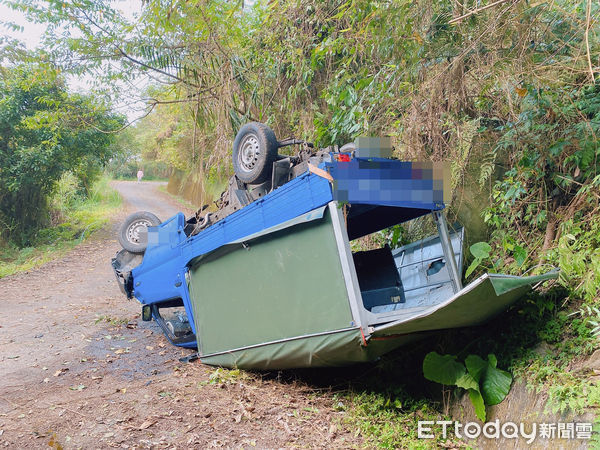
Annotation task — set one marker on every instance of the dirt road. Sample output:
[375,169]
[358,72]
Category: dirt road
[78,367]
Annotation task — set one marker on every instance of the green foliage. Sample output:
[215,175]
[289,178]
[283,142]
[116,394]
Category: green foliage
[591,316]
[554,178]
[495,383]
[225,376]
[134,151]
[481,251]
[79,218]
[62,199]
[568,391]
[484,382]
[443,369]
[45,132]
[577,253]
[541,345]
[330,71]
[387,420]
[394,236]
[544,211]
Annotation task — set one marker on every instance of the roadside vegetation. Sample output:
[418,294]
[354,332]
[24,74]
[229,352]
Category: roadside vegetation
[53,148]
[77,218]
[47,133]
[508,95]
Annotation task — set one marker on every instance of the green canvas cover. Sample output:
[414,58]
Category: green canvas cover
[487,296]
[281,285]
[278,300]
[337,349]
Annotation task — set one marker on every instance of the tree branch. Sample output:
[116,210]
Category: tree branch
[127,56]
[152,106]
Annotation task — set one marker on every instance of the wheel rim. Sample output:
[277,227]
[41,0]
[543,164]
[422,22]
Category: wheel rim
[136,230]
[249,153]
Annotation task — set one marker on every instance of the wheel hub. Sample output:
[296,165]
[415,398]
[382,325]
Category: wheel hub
[136,229]
[249,153]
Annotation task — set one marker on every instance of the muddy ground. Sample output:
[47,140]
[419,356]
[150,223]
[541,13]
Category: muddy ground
[79,368]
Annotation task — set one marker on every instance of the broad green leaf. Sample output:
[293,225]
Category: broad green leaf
[481,250]
[495,385]
[493,360]
[477,401]
[467,382]
[443,369]
[472,267]
[476,366]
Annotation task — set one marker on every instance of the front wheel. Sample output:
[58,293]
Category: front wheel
[133,235]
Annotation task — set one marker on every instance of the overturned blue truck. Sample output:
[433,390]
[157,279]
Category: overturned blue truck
[268,279]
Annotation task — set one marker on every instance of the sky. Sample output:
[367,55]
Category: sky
[32,35]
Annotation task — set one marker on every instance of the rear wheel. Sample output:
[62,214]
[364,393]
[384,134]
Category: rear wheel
[254,151]
[133,235]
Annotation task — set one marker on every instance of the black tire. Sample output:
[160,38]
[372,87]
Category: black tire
[133,234]
[254,151]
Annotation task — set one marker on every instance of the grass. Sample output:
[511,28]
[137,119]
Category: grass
[226,376]
[387,421]
[113,321]
[82,219]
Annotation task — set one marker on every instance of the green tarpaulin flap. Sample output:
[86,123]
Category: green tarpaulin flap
[506,283]
[477,302]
